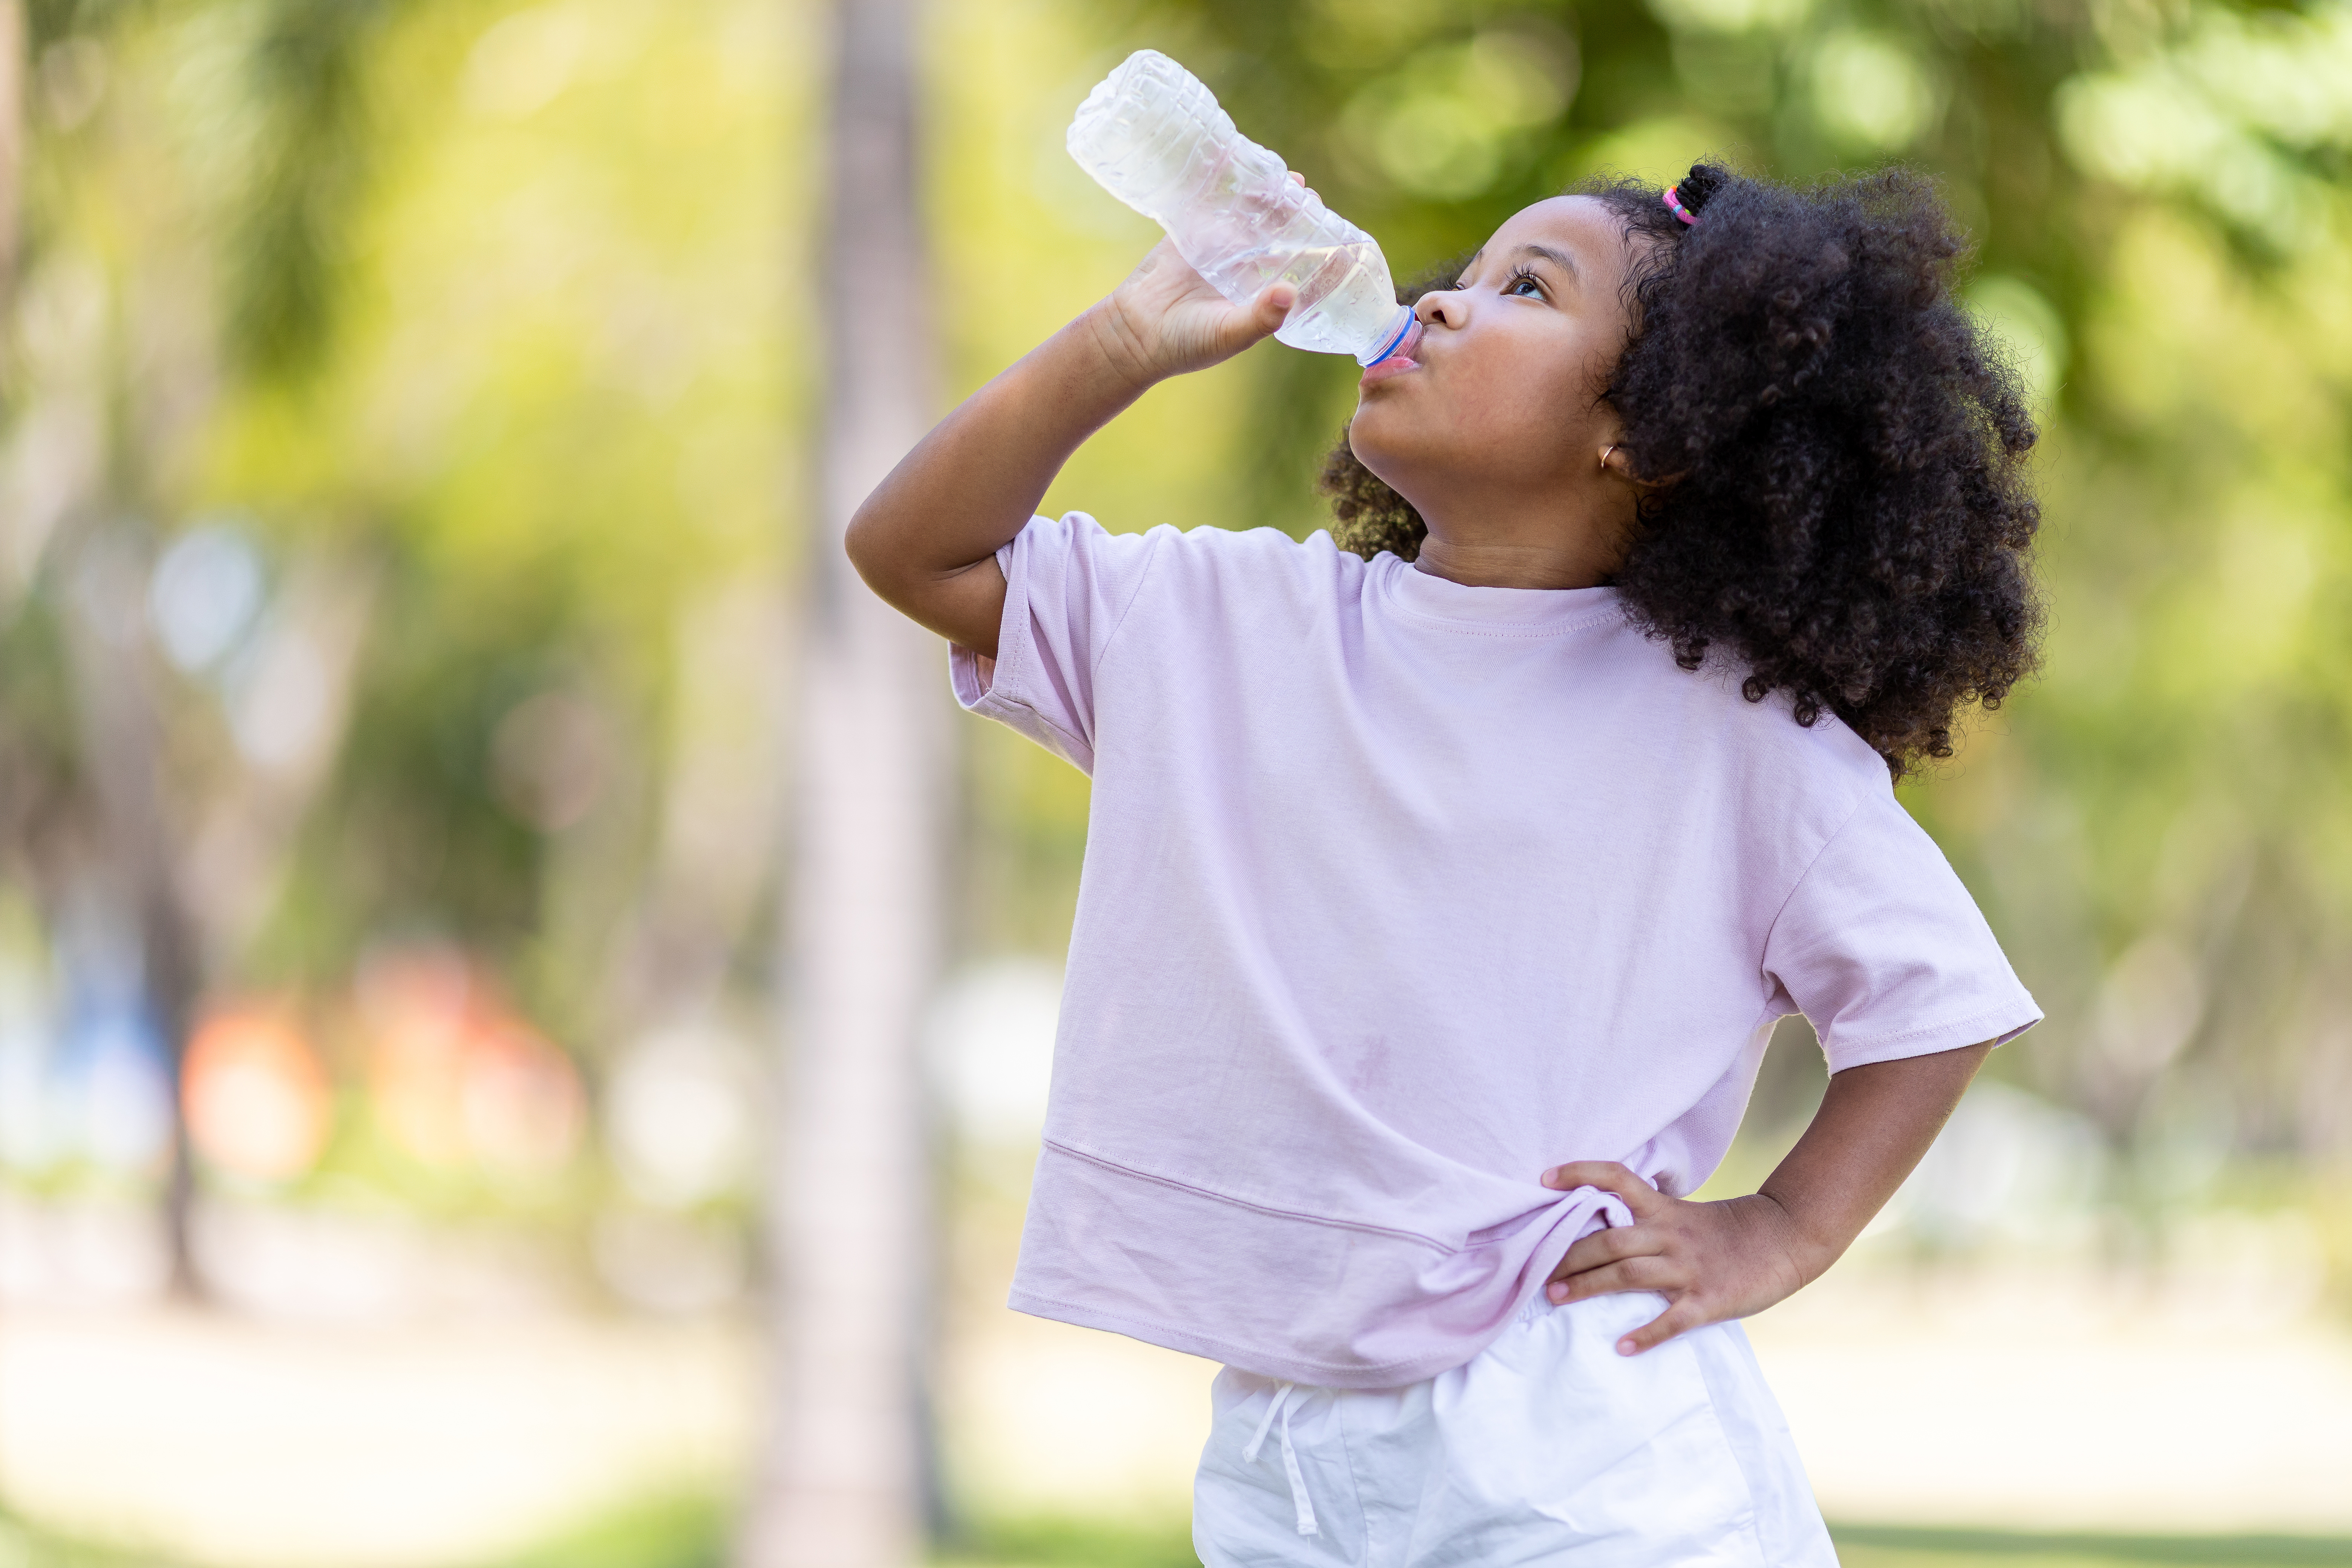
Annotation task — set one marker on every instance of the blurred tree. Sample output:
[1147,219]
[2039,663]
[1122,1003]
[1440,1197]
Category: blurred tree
[79,487]
[304,176]
[840,1483]
[188,862]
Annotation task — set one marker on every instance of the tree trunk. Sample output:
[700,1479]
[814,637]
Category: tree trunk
[122,744]
[842,1482]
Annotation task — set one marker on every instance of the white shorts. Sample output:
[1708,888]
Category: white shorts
[1548,1448]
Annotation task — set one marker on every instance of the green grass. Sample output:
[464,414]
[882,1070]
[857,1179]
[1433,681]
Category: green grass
[687,1532]
[1089,1543]
[691,1532]
[23,1545]
[1076,1543]
[1886,1546]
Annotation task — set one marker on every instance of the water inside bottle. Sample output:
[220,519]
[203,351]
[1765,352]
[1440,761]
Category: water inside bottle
[1346,301]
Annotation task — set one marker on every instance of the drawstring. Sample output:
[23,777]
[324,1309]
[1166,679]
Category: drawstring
[1281,1405]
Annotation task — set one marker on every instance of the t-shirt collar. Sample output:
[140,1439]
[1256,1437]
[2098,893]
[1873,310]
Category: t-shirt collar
[1432,597]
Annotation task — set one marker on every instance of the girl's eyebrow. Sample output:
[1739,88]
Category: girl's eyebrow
[1560,258]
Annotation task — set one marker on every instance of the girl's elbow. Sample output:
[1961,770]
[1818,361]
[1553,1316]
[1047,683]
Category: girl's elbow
[856,539]
[864,541]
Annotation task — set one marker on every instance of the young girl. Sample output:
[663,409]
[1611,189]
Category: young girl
[1447,876]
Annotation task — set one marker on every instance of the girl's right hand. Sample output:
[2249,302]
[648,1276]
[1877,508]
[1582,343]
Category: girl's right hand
[1166,320]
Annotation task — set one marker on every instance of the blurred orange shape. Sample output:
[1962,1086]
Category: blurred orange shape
[415,1073]
[258,1103]
[455,1078]
[521,1099]
[418,1005]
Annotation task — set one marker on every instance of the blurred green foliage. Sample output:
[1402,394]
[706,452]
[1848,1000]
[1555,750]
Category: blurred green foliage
[485,303]
[505,309]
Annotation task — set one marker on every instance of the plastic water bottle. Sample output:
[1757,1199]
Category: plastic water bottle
[1153,135]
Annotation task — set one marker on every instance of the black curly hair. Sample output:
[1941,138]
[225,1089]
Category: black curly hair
[1843,501]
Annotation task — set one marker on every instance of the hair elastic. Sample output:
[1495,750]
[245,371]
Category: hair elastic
[1673,198]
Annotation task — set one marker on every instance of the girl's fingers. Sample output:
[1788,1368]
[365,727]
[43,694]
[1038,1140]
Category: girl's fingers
[1263,317]
[1609,1177]
[1196,333]
[1273,305]
[1607,1246]
[1614,1278]
[1678,1319]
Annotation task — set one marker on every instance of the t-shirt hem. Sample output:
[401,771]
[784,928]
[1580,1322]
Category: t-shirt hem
[1253,1358]
[1009,711]
[1195,1189]
[1998,1025]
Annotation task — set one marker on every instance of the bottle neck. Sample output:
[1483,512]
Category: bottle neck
[1400,324]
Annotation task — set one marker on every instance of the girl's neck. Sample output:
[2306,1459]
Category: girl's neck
[1555,562]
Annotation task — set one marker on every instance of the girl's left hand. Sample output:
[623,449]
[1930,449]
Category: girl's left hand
[1710,1260]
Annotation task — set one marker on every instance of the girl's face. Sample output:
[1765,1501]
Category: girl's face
[1500,411]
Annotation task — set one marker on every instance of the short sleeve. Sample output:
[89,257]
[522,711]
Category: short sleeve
[1068,582]
[1883,949]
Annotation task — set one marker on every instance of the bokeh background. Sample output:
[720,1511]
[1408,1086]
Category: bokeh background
[422,427]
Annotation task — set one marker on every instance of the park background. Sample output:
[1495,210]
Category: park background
[437,877]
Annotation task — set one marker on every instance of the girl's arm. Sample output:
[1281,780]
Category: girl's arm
[926,539]
[1731,1258]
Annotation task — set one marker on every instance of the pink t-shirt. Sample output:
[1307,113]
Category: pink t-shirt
[1398,893]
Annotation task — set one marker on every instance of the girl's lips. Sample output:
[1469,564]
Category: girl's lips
[1397,363]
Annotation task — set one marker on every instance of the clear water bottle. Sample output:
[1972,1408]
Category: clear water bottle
[1153,135]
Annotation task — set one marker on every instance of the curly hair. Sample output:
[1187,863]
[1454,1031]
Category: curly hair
[1841,498]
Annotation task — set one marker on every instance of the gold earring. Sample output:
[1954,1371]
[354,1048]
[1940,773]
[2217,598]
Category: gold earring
[1604,455]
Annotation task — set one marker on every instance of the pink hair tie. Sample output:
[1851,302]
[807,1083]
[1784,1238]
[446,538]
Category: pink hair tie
[1674,201]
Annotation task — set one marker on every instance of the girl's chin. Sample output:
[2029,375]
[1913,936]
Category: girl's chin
[1378,436]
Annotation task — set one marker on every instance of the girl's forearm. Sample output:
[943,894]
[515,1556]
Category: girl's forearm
[924,539]
[1873,1125]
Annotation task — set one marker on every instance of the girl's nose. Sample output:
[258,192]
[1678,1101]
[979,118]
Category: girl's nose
[1442,307]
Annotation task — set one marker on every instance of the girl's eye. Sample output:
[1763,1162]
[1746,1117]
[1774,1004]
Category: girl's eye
[1524,283]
